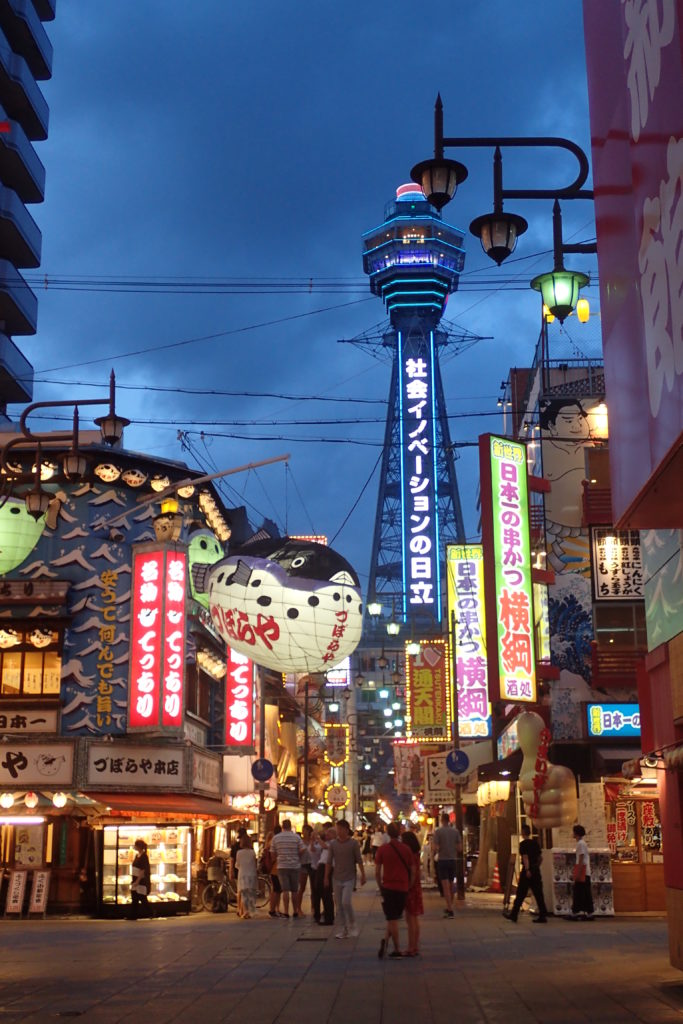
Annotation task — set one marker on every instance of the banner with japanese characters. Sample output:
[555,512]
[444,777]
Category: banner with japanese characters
[239,700]
[336,744]
[408,768]
[439,782]
[419,488]
[157,665]
[466,616]
[428,692]
[509,591]
[617,564]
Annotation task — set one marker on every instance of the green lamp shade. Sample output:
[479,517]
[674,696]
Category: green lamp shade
[560,290]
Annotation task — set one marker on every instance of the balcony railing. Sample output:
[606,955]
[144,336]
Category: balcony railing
[615,666]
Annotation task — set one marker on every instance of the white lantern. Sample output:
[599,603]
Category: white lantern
[293,606]
[31,800]
[6,800]
[59,799]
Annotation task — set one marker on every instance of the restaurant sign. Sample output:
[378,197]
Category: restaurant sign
[124,766]
[612,721]
[428,692]
[36,764]
[22,720]
[617,565]
[466,615]
[509,586]
[158,639]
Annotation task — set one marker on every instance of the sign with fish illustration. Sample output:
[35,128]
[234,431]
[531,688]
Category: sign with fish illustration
[293,606]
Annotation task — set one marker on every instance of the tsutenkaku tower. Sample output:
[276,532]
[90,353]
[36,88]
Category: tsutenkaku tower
[414,261]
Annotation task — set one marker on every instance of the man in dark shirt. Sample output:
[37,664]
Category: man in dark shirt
[529,878]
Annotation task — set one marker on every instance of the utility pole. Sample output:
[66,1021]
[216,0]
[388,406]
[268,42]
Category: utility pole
[460,856]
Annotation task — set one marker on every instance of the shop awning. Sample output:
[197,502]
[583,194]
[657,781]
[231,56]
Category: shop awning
[176,804]
[506,769]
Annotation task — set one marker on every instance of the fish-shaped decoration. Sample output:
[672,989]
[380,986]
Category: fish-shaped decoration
[290,605]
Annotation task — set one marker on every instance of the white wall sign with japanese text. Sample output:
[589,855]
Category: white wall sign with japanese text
[440,783]
[419,488]
[617,564]
[467,617]
[40,888]
[124,766]
[36,764]
[23,721]
[158,639]
[16,888]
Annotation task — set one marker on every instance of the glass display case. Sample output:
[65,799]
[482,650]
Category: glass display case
[169,848]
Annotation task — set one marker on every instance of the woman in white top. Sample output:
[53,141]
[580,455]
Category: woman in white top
[247,882]
[582,896]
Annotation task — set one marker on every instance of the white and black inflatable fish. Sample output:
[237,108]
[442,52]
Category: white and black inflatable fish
[290,605]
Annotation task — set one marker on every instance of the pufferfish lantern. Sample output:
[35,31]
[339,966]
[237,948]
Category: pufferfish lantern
[548,790]
[293,606]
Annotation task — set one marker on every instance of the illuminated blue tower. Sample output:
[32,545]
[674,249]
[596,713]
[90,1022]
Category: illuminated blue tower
[414,260]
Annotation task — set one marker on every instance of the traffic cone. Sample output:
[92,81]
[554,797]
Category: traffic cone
[495,881]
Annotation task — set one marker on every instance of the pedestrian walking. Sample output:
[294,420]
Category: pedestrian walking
[414,903]
[447,845]
[582,895]
[288,847]
[367,846]
[379,838]
[306,869]
[269,867]
[530,857]
[247,881]
[141,880]
[394,872]
[323,892]
[344,856]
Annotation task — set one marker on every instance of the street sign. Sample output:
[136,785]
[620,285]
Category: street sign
[262,769]
[457,762]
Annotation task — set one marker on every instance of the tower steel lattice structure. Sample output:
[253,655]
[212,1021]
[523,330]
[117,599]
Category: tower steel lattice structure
[414,260]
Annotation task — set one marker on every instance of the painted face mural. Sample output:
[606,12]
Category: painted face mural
[203,549]
[289,605]
[19,534]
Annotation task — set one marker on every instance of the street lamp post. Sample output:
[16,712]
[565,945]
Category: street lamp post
[460,855]
[498,231]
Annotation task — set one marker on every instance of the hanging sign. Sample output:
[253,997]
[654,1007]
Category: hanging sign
[408,765]
[509,594]
[15,892]
[440,783]
[157,649]
[466,611]
[337,795]
[613,720]
[239,700]
[428,692]
[336,744]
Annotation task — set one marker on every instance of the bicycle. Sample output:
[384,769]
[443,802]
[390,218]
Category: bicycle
[217,894]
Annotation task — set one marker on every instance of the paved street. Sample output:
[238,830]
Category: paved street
[215,968]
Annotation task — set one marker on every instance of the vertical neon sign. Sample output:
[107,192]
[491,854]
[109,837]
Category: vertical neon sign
[419,496]
[512,557]
[157,650]
[239,700]
[465,564]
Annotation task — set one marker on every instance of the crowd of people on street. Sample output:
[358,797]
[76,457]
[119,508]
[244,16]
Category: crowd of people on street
[331,862]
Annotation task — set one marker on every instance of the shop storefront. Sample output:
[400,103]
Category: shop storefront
[634,834]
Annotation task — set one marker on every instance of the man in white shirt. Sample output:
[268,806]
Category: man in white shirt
[288,847]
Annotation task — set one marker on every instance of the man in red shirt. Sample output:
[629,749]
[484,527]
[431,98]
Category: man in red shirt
[395,873]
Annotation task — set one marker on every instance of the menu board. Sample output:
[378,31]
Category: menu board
[591,816]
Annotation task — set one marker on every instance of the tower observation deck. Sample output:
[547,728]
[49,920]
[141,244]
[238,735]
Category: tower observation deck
[414,260]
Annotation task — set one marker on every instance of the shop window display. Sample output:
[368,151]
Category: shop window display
[30,662]
[170,854]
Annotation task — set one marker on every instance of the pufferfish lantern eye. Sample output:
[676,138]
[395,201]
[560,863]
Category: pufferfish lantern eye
[298,562]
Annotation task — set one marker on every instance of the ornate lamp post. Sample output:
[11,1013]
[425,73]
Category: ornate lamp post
[498,231]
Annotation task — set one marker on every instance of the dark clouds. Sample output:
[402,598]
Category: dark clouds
[261,139]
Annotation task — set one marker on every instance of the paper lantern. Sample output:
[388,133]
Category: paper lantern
[31,800]
[292,606]
[19,534]
[59,799]
[6,800]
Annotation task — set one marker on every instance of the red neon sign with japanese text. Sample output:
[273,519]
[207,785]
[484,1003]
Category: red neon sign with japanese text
[157,651]
[239,700]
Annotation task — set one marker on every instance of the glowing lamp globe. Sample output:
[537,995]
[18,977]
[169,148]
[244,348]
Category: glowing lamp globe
[31,800]
[59,799]
[560,290]
[583,311]
[6,800]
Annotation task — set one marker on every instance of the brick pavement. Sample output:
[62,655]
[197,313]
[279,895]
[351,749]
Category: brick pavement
[208,969]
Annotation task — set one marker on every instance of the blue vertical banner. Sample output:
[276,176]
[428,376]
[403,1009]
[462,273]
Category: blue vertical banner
[419,486]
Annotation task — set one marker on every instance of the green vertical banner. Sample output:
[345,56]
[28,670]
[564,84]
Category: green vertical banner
[512,560]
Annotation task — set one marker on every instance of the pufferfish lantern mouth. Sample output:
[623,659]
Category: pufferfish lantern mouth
[342,578]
